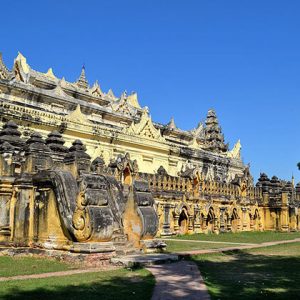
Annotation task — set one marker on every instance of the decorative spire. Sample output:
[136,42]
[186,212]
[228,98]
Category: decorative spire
[4,72]
[55,142]
[171,124]
[214,139]
[96,90]
[36,143]
[132,99]
[82,82]
[21,59]
[78,149]
[110,95]
[50,74]
[11,134]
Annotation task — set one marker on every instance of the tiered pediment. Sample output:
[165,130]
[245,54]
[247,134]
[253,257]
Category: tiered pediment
[145,128]
[124,105]
[77,116]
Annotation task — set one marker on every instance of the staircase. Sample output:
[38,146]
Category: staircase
[123,246]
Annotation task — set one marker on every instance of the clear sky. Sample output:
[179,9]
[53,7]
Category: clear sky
[240,57]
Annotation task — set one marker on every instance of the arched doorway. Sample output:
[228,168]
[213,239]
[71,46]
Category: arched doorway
[234,220]
[183,222]
[127,177]
[210,220]
[256,221]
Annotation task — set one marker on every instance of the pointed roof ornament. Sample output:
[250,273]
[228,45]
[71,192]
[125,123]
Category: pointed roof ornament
[171,124]
[58,89]
[23,62]
[82,82]
[50,74]
[123,95]
[77,116]
[4,72]
[110,94]
[132,99]
[96,89]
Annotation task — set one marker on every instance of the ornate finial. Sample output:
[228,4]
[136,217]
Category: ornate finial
[4,72]
[132,99]
[96,90]
[23,62]
[36,143]
[79,149]
[50,74]
[171,124]
[55,142]
[11,134]
[214,138]
[110,95]
[82,82]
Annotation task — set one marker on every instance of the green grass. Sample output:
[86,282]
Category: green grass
[12,266]
[173,246]
[264,273]
[243,237]
[109,285]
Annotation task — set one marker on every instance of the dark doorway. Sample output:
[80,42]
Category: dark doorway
[183,222]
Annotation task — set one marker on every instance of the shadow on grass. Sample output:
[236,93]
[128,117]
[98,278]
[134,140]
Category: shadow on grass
[116,287]
[241,275]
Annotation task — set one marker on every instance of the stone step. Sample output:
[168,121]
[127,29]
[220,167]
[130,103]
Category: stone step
[144,260]
[122,251]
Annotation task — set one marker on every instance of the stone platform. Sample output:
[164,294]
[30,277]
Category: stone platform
[144,260]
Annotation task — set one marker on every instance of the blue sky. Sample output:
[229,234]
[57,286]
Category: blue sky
[241,58]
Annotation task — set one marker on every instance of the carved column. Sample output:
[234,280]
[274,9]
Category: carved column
[252,223]
[244,222]
[191,224]
[166,224]
[22,233]
[222,219]
[229,223]
[204,226]
[197,221]
[284,218]
[6,192]
[216,225]
[6,189]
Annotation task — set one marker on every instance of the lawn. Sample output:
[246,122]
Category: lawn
[242,237]
[264,273]
[173,246]
[109,285]
[12,266]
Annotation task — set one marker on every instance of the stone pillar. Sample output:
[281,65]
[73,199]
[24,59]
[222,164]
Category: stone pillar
[6,192]
[6,189]
[293,219]
[222,219]
[22,234]
[204,227]
[166,224]
[229,223]
[284,218]
[197,221]
[244,222]
[216,225]
[252,223]
[176,225]
[191,224]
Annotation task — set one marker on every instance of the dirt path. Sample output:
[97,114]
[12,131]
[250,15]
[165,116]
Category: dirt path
[250,246]
[180,280]
[207,242]
[51,274]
